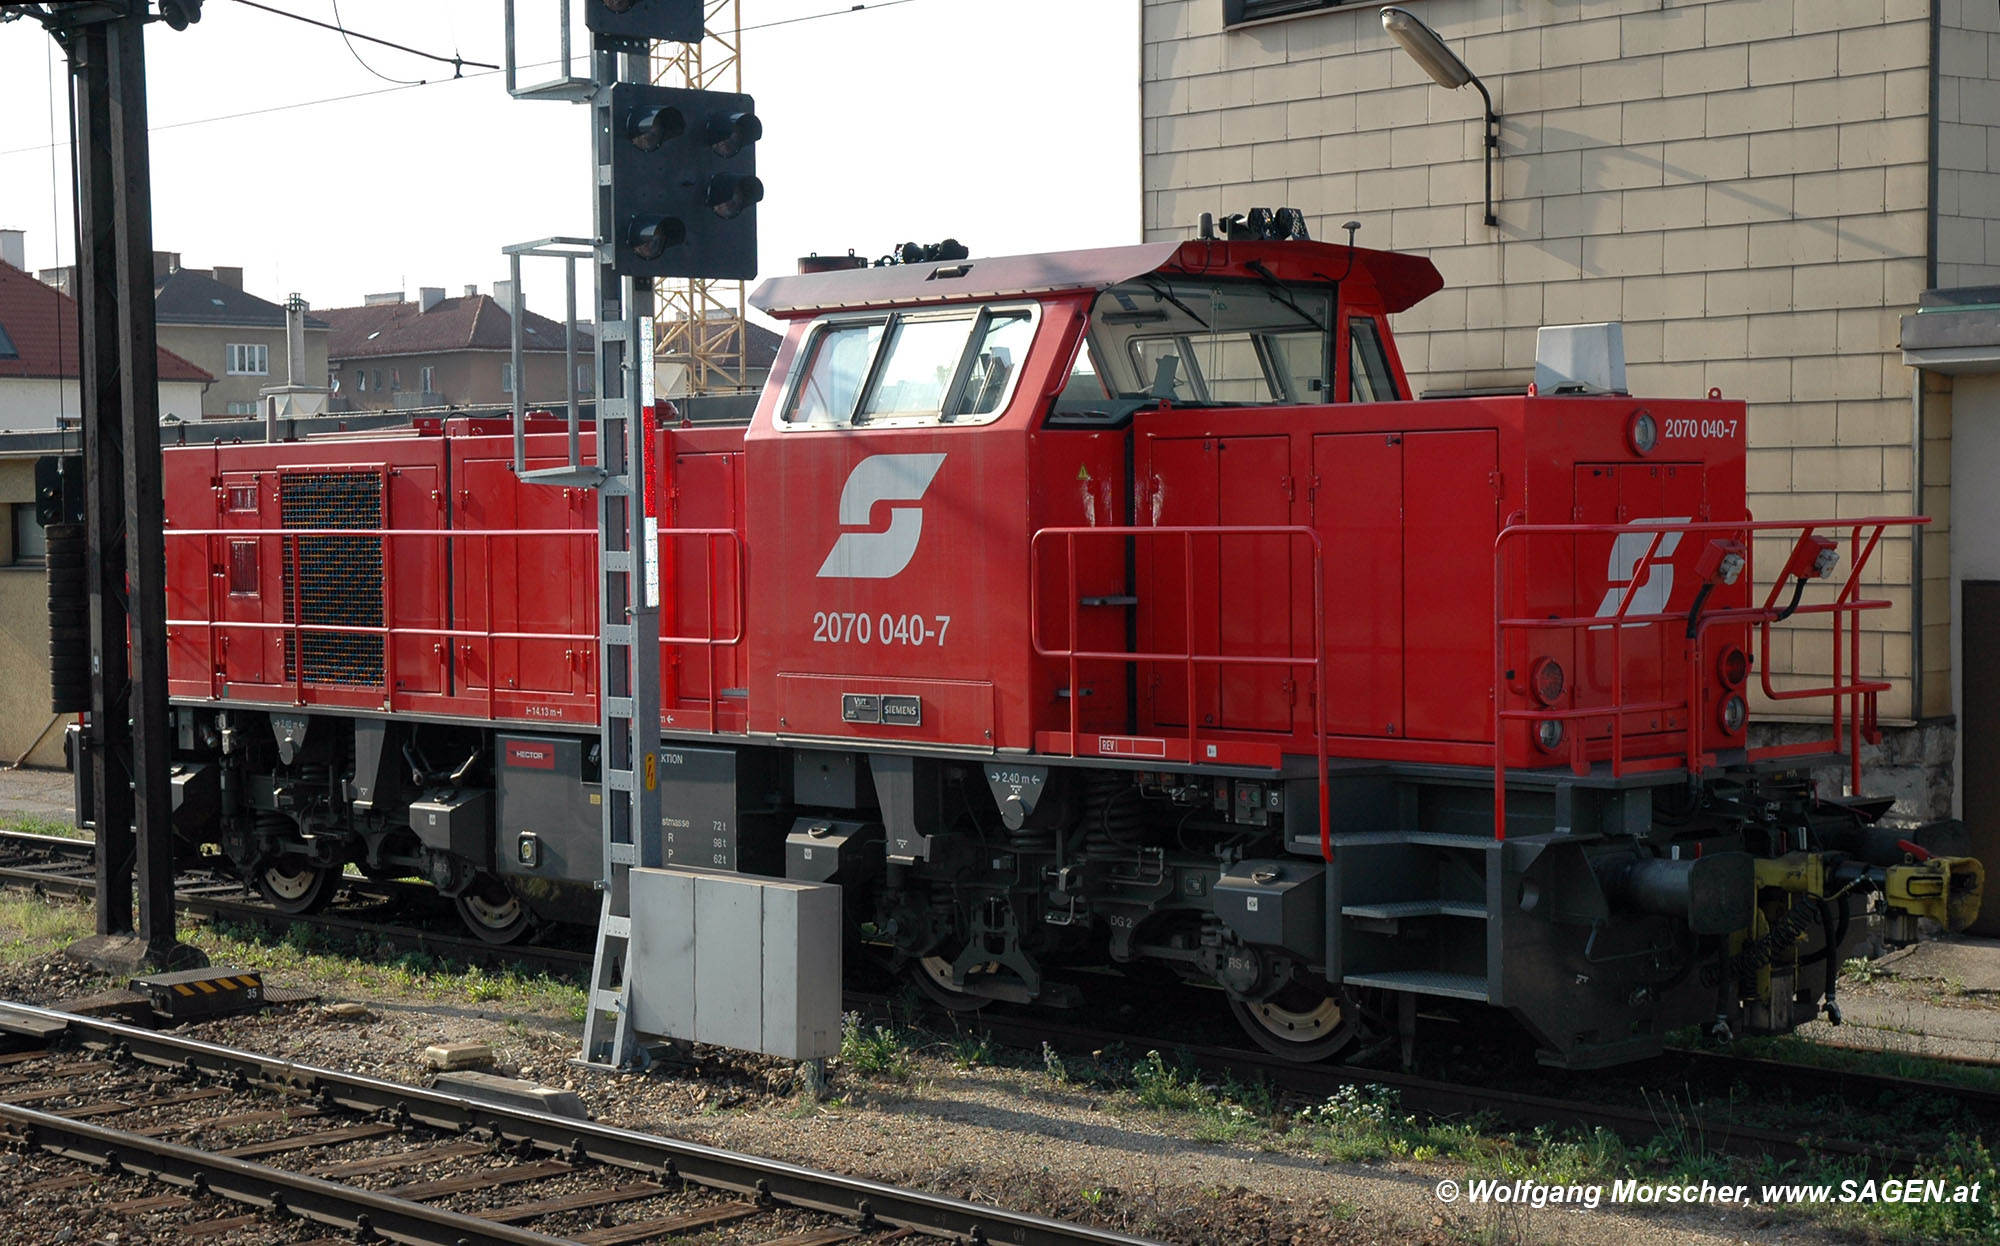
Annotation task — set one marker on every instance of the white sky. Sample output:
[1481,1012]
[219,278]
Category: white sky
[1012,125]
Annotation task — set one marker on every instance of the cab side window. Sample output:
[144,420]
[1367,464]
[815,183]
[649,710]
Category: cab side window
[933,366]
[1369,378]
[831,381]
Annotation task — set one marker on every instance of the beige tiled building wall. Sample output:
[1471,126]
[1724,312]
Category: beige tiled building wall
[1968,113]
[1745,184]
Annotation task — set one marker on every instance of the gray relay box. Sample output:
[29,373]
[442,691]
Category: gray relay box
[551,821]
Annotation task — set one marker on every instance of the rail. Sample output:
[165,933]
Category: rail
[1847,690]
[1193,661]
[560,1145]
[466,642]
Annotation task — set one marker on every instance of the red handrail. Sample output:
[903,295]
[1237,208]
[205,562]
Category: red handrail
[1075,656]
[296,629]
[1844,611]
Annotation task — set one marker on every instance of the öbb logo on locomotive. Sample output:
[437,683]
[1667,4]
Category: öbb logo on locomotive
[1651,596]
[881,478]
[1267,680]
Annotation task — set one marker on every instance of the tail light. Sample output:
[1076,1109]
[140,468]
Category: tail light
[1547,680]
[1732,667]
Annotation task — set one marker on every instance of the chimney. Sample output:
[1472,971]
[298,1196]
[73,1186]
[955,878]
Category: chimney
[14,247]
[503,294]
[295,340]
[429,297]
[63,278]
[472,292]
[377,300]
[231,277]
[165,264]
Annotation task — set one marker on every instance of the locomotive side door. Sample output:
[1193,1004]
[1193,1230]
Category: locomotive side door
[521,585]
[703,684]
[1407,522]
[1358,510]
[1241,591]
[1451,513]
[247,587]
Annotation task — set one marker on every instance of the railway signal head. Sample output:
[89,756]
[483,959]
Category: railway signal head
[643,21]
[684,185]
[179,13]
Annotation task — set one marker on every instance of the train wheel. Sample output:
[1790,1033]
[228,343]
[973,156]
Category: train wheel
[291,884]
[1303,1022]
[491,911]
[932,974]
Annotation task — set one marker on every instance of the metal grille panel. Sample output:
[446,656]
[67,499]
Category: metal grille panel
[334,581]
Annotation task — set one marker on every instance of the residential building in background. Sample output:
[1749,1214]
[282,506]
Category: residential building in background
[389,354]
[1757,189]
[204,315]
[39,385]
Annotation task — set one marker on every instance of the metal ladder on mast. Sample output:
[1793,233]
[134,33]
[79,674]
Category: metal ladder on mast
[628,609]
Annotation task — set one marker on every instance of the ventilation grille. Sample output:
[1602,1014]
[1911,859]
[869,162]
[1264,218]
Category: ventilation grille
[339,578]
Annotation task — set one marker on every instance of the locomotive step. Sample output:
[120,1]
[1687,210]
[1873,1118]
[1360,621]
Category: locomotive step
[1425,982]
[1429,839]
[1392,909]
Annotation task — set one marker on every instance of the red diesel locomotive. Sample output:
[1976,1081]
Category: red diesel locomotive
[1105,609]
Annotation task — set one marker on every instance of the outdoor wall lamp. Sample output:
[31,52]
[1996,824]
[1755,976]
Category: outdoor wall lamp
[1443,65]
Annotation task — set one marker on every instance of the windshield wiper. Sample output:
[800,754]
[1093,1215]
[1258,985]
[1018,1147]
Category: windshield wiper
[1160,288]
[1278,292]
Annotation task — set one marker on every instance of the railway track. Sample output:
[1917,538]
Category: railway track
[1458,1100]
[256,1140]
[61,865]
[1696,1093]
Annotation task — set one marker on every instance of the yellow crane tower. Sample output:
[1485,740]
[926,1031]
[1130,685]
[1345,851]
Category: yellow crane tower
[698,323]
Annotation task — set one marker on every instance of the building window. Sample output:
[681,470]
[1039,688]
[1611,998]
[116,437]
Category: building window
[249,359]
[507,378]
[1235,12]
[376,380]
[395,378]
[361,380]
[427,380]
[242,408]
[583,378]
[7,349]
[31,546]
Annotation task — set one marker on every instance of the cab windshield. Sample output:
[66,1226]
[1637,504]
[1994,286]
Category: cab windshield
[1213,342]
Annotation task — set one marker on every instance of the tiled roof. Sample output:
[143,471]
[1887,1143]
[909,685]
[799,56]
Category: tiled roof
[40,321]
[472,322]
[192,296]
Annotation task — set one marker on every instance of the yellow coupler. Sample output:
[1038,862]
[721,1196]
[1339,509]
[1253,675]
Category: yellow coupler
[1944,889]
[1790,890]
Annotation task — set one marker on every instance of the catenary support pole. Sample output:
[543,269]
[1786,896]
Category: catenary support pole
[121,435]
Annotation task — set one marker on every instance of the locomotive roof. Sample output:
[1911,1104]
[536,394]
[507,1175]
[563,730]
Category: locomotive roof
[1401,280]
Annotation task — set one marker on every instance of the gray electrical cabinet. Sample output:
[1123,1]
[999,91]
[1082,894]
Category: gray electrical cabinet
[738,961]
